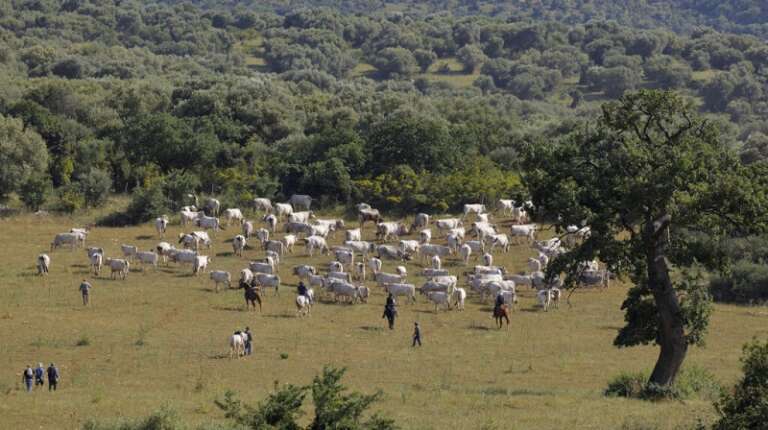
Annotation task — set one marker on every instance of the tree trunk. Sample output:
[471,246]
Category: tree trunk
[671,337]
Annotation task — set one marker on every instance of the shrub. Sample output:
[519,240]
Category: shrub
[70,199]
[83,341]
[746,407]
[627,385]
[146,204]
[34,191]
[95,187]
[747,282]
[691,382]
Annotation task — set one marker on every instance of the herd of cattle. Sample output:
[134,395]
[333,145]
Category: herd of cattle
[345,276]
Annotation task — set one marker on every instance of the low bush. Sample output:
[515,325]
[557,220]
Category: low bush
[691,382]
[747,283]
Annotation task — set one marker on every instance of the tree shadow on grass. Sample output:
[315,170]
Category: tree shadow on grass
[372,328]
[283,315]
[144,237]
[229,308]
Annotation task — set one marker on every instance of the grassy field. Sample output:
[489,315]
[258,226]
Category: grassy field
[160,338]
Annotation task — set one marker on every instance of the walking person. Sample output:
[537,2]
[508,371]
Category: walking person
[85,290]
[248,341]
[416,334]
[28,377]
[53,377]
[39,374]
[390,311]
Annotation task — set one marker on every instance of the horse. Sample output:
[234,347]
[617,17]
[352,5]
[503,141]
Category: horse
[251,295]
[303,306]
[499,313]
[237,345]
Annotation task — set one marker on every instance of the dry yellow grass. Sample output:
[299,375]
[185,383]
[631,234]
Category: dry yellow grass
[547,371]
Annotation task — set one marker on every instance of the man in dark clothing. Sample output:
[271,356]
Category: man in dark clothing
[85,290]
[416,334]
[53,377]
[39,373]
[390,311]
[248,341]
[28,377]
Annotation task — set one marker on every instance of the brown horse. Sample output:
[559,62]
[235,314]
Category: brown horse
[251,295]
[500,313]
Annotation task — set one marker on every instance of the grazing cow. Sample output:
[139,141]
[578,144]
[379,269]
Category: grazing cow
[233,214]
[344,276]
[316,281]
[301,217]
[402,271]
[248,229]
[161,224]
[322,230]
[449,281]
[459,296]
[147,257]
[482,229]
[439,298]
[212,206]
[409,247]
[43,264]
[345,256]
[432,286]
[425,236]
[429,250]
[353,235]
[386,229]
[272,262]
[274,256]
[477,246]
[574,234]
[436,263]
[421,221]
[548,297]
[164,249]
[262,234]
[501,240]
[304,271]
[187,216]
[527,231]
[382,278]
[189,241]
[520,215]
[283,209]
[590,278]
[483,218]
[365,215]
[465,251]
[375,265]
[262,204]
[344,289]
[487,259]
[209,223]
[119,267]
[237,345]
[71,239]
[96,261]
[266,280]
[335,266]
[459,232]
[246,276]
[271,221]
[543,259]
[506,206]
[359,247]
[300,201]
[362,206]
[520,279]
[488,270]
[389,252]
[129,251]
[275,246]
[200,264]
[363,293]
[183,256]
[303,306]
[448,223]
[453,242]
[238,245]
[359,273]
[431,273]
[289,241]
[94,250]
[261,267]
[313,243]
[221,277]
[399,289]
[534,265]
[473,208]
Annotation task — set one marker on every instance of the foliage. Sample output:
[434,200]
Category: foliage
[34,192]
[746,282]
[146,204]
[747,405]
[22,155]
[95,186]
[693,382]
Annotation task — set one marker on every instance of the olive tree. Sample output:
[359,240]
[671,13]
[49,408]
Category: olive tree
[644,176]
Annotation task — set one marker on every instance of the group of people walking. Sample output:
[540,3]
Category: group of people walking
[34,377]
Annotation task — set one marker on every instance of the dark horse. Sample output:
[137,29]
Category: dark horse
[251,295]
[501,312]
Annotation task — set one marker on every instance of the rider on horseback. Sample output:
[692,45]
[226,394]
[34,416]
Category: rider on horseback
[302,291]
[499,303]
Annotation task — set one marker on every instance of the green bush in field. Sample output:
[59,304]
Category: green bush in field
[693,382]
[746,406]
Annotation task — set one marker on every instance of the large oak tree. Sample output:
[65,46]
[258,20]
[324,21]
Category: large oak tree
[645,176]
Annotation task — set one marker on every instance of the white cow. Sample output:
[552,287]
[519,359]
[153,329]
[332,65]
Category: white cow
[221,277]
[304,271]
[96,261]
[436,263]
[534,265]
[237,345]
[409,247]
[246,275]
[527,231]
[375,265]
[289,241]
[384,230]
[439,298]
[359,273]
[119,267]
[303,306]
[425,236]
[248,229]
[459,296]
[316,243]
[213,206]
[209,223]
[301,201]
[389,252]
[275,246]
[262,234]
[71,239]
[344,276]
[147,257]
[346,257]
[353,235]
[459,232]
[233,214]
[129,251]
[520,215]
[429,250]
[421,221]
[164,249]
[283,209]
[359,247]
[501,240]
[399,289]
[488,259]
[161,224]
[200,264]
[183,256]
[322,230]
[473,208]
[344,289]
[187,216]
[266,280]
[431,273]
[335,266]
[261,267]
[301,217]
[262,204]
[274,256]
[465,251]
[402,271]
[238,245]
[506,206]
[43,264]
[548,297]
[448,223]
[271,221]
